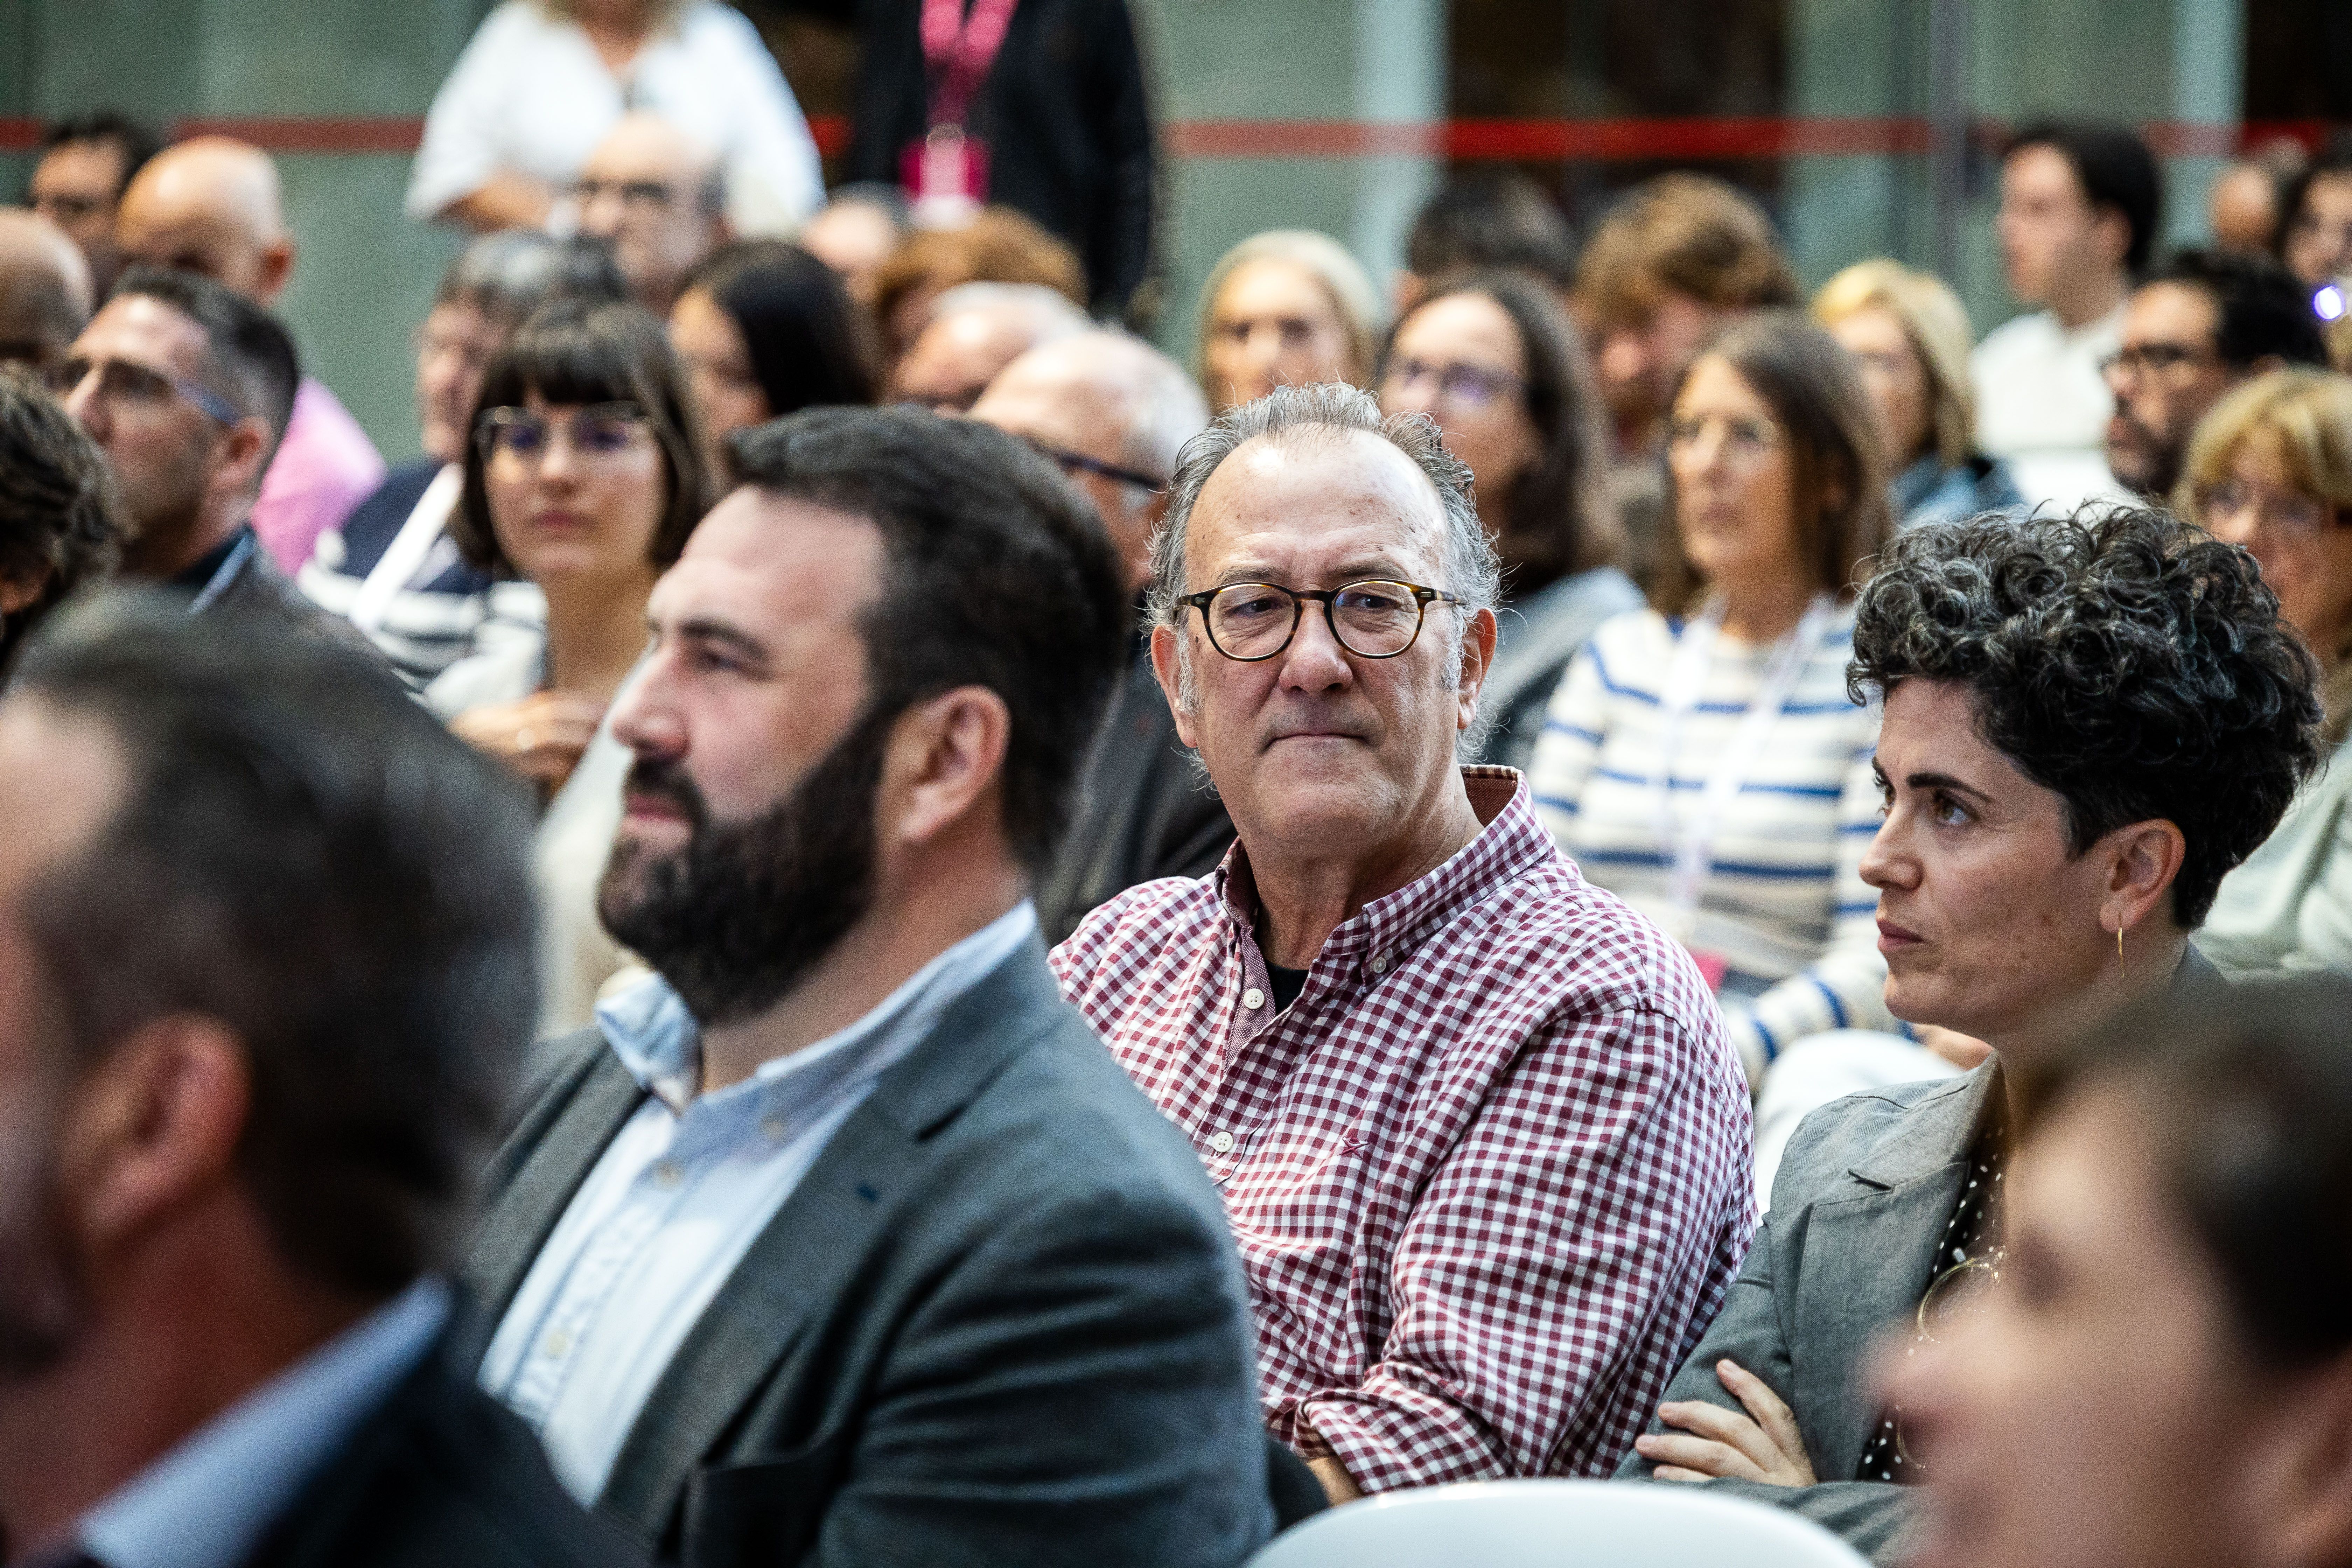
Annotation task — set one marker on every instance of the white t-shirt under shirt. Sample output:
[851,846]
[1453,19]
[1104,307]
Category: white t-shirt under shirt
[2043,405]
[1785,905]
[532,96]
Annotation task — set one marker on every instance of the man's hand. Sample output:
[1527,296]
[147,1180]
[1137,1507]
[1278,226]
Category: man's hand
[541,737]
[1724,1445]
[1337,1484]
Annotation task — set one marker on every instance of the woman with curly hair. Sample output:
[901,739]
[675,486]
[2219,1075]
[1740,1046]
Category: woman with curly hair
[2087,722]
[60,524]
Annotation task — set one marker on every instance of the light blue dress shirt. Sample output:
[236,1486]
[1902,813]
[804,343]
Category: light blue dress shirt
[681,1195]
[206,1503]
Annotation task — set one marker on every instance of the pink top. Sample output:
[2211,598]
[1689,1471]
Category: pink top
[324,467]
[1489,1170]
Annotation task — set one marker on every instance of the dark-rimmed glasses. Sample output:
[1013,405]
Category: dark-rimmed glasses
[521,435]
[2156,360]
[1373,620]
[1074,463]
[121,382]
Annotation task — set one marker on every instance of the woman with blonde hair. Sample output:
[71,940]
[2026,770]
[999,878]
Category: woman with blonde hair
[1286,308]
[2270,469]
[1909,334]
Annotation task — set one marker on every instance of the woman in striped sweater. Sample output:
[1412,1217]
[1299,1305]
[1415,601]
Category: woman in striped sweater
[1703,760]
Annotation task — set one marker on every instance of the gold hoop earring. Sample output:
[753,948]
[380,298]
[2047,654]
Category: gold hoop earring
[2120,971]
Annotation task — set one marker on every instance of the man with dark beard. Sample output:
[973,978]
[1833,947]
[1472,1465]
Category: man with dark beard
[842,1240]
[265,977]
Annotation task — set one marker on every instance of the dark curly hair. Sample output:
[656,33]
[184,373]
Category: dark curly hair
[61,525]
[2126,661]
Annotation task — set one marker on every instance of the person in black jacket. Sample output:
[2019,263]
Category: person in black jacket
[1061,112]
[264,980]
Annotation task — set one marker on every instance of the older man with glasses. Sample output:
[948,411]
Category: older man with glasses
[1477,1124]
[187,388]
[1114,414]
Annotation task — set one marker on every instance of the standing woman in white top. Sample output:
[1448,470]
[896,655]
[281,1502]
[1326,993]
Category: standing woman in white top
[585,475]
[1703,759]
[543,80]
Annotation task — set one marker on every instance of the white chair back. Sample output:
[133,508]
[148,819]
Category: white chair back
[1558,1524]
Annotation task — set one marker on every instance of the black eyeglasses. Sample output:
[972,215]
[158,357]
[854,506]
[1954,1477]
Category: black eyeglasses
[1079,463]
[521,435]
[1372,619]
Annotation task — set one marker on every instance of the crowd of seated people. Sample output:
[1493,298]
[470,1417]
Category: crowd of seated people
[863,920]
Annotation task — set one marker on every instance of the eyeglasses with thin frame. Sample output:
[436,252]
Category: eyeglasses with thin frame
[1470,387]
[124,385]
[1745,437]
[2304,516]
[521,436]
[646,193]
[2137,359]
[1075,463]
[1373,618]
[1961,1291]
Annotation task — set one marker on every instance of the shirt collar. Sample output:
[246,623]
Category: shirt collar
[658,1041]
[1511,842]
[197,574]
[209,1501]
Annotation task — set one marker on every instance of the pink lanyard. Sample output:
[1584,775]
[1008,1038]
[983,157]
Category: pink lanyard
[961,50]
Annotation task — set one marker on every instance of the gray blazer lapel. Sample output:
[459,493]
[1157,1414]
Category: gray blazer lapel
[1867,1256]
[802,1261]
[548,1170]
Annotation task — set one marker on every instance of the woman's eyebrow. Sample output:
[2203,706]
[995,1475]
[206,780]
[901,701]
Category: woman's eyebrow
[1943,780]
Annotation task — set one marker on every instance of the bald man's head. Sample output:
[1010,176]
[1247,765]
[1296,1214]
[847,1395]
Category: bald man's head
[210,205]
[975,331]
[1114,412]
[44,291]
[658,194]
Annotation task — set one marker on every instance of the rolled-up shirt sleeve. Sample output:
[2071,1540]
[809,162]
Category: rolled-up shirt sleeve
[1555,1268]
[460,150]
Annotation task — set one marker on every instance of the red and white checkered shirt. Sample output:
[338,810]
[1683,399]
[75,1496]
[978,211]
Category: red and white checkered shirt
[1489,1173]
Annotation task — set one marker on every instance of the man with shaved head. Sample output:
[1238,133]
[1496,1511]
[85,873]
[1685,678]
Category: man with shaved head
[45,293]
[212,205]
[1114,413]
[976,329]
[660,197]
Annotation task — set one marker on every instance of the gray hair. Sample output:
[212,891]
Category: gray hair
[1472,571]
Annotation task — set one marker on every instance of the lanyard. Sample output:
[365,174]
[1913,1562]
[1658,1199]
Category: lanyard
[223,576]
[960,48]
[426,521]
[1692,841]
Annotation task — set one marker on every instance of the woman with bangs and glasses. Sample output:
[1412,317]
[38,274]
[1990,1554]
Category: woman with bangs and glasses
[1495,362]
[2270,469]
[584,474]
[1702,759]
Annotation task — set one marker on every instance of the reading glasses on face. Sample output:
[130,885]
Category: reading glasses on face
[1374,618]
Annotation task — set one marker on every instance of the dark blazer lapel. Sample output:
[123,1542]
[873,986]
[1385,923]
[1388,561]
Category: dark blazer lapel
[1866,1259]
[818,1239]
[550,1154]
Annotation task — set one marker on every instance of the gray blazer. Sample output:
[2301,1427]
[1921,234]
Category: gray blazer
[1001,1321]
[1860,1202]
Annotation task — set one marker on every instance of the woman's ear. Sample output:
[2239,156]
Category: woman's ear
[2143,860]
[2297,1502]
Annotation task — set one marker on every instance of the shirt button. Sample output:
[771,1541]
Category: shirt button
[774,1127]
[1381,964]
[1222,1143]
[558,1343]
[1253,998]
[666,1174]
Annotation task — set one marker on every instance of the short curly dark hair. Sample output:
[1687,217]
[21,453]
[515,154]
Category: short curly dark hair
[61,523]
[2122,657]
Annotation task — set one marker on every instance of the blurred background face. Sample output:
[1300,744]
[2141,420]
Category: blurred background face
[160,446]
[718,365]
[1985,919]
[2319,236]
[2301,542]
[2168,373]
[644,190]
[1065,415]
[1637,363]
[2097,1414]
[854,238]
[453,347]
[1460,362]
[1274,324]
[577,511]
[953,359]
[2047,227]
[74,187]
[1734,481]
[1895,376]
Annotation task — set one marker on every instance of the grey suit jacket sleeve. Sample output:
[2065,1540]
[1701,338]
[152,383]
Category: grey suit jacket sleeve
[1097,1337]
[1870,1516]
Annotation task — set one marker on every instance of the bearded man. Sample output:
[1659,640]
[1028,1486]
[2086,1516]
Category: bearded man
[843,1240]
